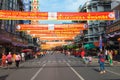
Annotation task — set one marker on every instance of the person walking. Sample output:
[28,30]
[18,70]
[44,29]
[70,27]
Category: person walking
[14,55]
[83,55]
[9,59]
[110,57]
[101,60]
[106,54]
[17,59]
[23,56]
[4,57]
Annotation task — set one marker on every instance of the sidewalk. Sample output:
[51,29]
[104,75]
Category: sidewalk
[114,69]
[115,63]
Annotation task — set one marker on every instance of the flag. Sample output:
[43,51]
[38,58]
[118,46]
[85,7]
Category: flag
[100,42]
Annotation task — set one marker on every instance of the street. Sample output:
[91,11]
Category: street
[59,40]
[59,67]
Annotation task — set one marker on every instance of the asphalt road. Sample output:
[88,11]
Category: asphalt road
[59,67]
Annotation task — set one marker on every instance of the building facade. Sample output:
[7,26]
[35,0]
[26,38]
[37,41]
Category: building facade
[10,39]
[97,27]
[35,8]
[31,5]
[113,27]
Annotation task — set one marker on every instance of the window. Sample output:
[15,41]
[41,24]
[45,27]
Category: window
[10,4]
[1,3]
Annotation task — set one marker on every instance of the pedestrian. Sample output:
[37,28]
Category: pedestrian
[17,59]
[90,59]
[23,56]
[110,57]
[4,60]
[9,59]
[68,53]
[83,55]
[106,54]
[14,55]
[101,61]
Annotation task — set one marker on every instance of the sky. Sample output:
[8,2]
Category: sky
[59,6]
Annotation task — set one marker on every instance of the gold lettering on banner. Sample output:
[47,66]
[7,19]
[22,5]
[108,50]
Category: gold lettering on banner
[104,17]
[13,14]
[41,14]
[89,16]
[32,14]
[24,14]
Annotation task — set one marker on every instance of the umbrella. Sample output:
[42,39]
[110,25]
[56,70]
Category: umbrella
[26,50]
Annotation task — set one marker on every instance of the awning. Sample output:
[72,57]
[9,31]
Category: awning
[19,44]
[30,44]
[97,44]
[4,39]
[89,46]
[27,50]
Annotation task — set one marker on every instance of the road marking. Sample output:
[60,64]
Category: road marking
[59,61]
[36,74]
[49,61]
[64,60]
[45,61]
[53,61]
[69,61]
[113,72]
[81,78]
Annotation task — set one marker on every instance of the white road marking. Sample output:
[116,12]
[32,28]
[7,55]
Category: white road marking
[113,72]
[80,77]
[69,61]
[53,61]
[36,74]
[49,61]
[59,61]
[45,61]
[64,60]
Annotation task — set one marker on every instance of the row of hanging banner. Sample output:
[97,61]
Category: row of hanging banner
[52,30]
[49,45]
[22,15]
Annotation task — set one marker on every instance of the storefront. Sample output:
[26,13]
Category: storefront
[10,42]
[113,34]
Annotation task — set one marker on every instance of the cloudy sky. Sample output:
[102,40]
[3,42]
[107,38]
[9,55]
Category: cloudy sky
[60,6]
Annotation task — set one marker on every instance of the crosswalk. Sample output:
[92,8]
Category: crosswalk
[54,61]
[34,63]
[59,61]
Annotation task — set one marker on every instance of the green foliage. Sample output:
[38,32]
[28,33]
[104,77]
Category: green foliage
[67,47]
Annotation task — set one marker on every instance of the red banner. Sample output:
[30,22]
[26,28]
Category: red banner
[56,35]
[50,45]
[23,27]
[21,15]
[56,38]
[54,32]
[86,16]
